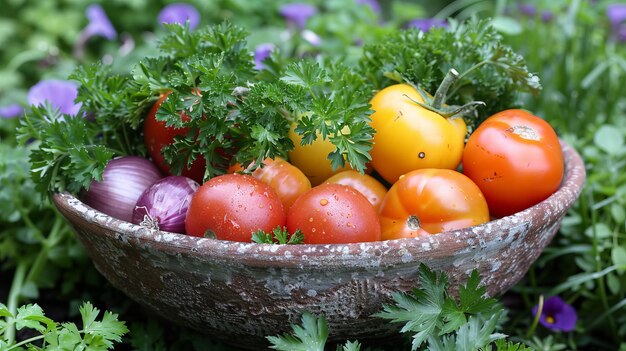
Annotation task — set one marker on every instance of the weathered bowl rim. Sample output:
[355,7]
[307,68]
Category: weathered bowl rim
[327,255]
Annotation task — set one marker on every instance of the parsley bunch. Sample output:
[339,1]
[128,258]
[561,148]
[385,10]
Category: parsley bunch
[233,113]
[490,71]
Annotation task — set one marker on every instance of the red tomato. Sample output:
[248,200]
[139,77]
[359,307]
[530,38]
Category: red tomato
[334,214]
[232,207]
[367,185]
[157,135]
[286,179]
[430,201]
[515,158]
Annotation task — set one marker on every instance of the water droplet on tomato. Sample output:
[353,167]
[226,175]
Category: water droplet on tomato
[323,202]
[313,230]
[311,219]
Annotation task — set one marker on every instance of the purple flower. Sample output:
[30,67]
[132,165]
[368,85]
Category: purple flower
[425,24]
[11,111]
[529,10]
[373,4]
[261,52]
[557,315]
[99,23]
[60,94]
[547,16]
[298,13]
[180,13]
[617,16]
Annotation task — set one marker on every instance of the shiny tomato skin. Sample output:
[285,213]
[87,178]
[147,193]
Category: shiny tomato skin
[286,179]
[157,135]
[515,158]
[232,207]
[410,137]
[334,214]
[367,185]
[430,201]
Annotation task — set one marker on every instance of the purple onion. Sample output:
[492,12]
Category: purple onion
[123,181]
[164,204]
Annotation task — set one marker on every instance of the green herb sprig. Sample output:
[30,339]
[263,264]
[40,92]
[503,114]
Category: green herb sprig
[231,112]
[279,235]
[490,71]
[95,334]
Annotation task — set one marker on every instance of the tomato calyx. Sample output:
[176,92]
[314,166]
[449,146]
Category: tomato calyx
[437,104]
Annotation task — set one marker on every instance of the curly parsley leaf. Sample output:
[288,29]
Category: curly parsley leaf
[331,101]
[70,152]
[431,311]
[490,71]
[279,235]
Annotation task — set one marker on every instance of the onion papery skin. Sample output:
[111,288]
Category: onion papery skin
[164,204]
[124,179]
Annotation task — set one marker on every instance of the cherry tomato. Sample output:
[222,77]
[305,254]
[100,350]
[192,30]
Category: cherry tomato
[334,214]
[515,158]
[286,179]
[367,185]
[410,137]
[312,159]
[157,135]
[430,201]
[232,207]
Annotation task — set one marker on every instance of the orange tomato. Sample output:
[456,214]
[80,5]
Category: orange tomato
[367,185]
[430,201]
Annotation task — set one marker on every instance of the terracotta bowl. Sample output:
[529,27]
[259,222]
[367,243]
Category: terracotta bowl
[242,292]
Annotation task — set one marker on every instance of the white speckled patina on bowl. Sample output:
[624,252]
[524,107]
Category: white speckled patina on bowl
[241,292]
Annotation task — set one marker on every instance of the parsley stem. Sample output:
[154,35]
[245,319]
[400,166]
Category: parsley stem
[42,256]
[29,223]
[14,294]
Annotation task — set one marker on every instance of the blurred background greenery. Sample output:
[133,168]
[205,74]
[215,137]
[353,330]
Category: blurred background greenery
[577,47]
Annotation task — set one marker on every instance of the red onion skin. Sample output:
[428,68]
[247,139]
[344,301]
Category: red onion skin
[164,204]
[123,181]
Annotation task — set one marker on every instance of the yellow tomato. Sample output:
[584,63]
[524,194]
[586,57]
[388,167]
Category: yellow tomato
[312,159]
[409,136]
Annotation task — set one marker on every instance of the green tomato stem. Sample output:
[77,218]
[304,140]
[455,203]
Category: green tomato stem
[440,94]
[463,109]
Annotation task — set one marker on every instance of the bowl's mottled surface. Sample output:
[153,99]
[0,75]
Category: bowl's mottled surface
[241,292]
